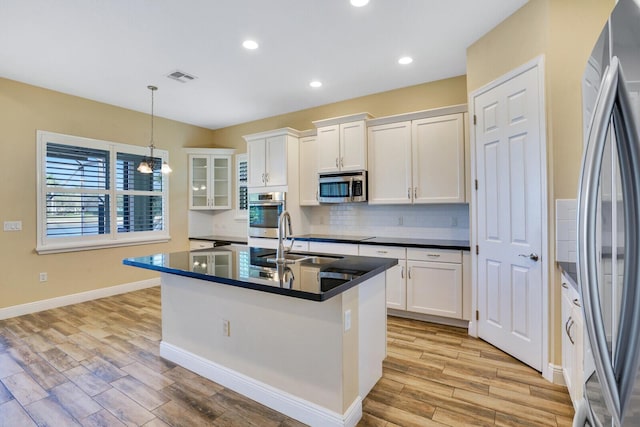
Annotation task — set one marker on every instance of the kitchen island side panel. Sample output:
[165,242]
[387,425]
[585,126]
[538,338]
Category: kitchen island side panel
[292,344]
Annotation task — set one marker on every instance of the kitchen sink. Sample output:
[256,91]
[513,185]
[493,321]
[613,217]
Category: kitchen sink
[318,260]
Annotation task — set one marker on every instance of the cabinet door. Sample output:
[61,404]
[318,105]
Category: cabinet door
[438,159]
[434,288]
[389,179]
[308,171]
[353,146]
[199,179]
[328,148]
[256,156]
[276,160]
[395,276]
[220,182]
[568,339]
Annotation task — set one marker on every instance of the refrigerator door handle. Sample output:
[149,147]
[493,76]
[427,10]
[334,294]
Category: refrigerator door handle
[587,254]
[627,362]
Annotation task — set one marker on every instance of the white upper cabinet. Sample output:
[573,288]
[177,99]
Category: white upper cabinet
[342,143]
[309,171]
[389,177]
[210,178]
[438,159]
[417,161]
[267,155]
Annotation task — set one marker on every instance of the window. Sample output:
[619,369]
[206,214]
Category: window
[92,196]
[242,202]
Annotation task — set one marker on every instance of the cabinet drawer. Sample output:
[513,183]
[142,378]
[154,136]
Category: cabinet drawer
[439,255]
[383,251]
[300,246]
[200,244]
[334,248]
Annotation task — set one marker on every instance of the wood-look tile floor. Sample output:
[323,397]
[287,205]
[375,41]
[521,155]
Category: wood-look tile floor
[97,364]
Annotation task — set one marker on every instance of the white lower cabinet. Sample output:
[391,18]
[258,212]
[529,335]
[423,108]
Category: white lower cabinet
[577,361]
[194,245]
[395,276]
[434,288]
[426,281]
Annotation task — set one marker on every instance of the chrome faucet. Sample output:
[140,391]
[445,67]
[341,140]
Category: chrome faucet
[282,235]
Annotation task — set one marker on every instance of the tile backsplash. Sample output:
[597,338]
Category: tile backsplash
[450,221]
[566,230]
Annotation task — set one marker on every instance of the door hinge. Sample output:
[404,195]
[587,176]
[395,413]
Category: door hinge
[475,119]
[477,314]
[476,184]
[477,250]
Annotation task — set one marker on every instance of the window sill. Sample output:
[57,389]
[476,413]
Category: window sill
[101,244]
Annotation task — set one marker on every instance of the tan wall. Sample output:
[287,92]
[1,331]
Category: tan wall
[413,98]
[24,110]
[564,32]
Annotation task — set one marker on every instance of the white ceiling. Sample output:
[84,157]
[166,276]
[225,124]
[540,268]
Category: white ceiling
[110,50]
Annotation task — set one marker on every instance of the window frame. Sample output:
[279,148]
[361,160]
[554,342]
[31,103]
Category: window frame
[46,244]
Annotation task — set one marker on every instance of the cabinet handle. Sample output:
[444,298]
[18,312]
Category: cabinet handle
[564,285]
[409,193]
[415,192]
[433,255]
[341,162]
[381,252]
[402,272]
[576,302]
[336,162]
[316,195]
[567,328]
[409,272]
[263,177]
[266,177]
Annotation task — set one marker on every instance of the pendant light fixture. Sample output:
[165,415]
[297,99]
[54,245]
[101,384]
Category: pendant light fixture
[147,163]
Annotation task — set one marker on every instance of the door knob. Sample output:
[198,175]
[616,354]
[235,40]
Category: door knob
[532,256]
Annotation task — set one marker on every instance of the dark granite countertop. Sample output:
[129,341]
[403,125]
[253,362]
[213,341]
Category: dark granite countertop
[223,240]
[388,241]
[248,268]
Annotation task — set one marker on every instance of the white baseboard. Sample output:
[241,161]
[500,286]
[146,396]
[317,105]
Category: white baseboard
[554,374]
[281,401]
[48,304]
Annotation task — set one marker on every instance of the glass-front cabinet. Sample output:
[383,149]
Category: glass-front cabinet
[210,179]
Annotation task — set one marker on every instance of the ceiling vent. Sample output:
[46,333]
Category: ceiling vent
[181,77]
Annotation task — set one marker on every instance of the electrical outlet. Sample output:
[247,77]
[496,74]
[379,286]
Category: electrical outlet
[12,225]
[347,320]
[43,277]
[226,328]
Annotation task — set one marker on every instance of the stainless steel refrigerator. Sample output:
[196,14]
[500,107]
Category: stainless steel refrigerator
[609,223]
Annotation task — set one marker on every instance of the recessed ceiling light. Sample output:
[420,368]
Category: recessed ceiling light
[315,83]
[359,3]
[250,44]
[405,60]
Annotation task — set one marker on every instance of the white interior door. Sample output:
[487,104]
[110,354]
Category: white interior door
[510,216]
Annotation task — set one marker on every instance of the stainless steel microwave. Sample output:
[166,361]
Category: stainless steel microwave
[342,187]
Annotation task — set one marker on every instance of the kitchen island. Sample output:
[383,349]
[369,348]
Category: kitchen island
[306,339]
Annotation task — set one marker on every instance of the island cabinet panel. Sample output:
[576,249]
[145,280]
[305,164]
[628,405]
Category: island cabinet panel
[313,361]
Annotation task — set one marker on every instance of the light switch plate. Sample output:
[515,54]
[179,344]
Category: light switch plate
[12,225]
